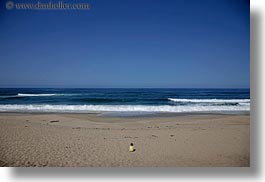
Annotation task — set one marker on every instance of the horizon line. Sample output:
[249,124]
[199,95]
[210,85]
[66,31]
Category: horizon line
[127,87]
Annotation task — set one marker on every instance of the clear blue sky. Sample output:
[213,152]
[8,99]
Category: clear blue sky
[128,43]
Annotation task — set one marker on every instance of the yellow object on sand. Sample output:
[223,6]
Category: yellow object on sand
[131,148]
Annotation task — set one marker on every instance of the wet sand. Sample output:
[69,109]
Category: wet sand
[93,140]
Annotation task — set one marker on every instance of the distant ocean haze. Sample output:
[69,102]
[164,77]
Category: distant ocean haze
[124,100]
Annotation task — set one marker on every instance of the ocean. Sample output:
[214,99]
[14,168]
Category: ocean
[114,100]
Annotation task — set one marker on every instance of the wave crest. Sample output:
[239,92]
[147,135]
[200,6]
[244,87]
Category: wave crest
[211,100]
[119,108]
[36,95]
[42,95]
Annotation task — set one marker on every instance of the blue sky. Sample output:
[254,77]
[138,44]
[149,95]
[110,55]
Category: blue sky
[128,43]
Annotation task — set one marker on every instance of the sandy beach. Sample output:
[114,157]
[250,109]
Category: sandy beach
[93,140]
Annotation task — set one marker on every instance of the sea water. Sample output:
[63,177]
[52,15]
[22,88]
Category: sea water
[83,100]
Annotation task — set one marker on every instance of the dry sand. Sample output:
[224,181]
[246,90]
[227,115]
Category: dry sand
[98,141]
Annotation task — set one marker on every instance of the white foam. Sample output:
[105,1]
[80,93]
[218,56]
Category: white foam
[42,95]
[211,100]
[118,108]
[35,95]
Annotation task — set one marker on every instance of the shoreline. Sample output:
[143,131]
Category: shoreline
[134,114]
[92,140]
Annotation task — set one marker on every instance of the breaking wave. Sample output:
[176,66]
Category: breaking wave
[211,100]
[119,108]
[36,95]
[43,95]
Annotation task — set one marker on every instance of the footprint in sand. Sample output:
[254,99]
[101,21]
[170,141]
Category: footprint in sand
[54,121]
